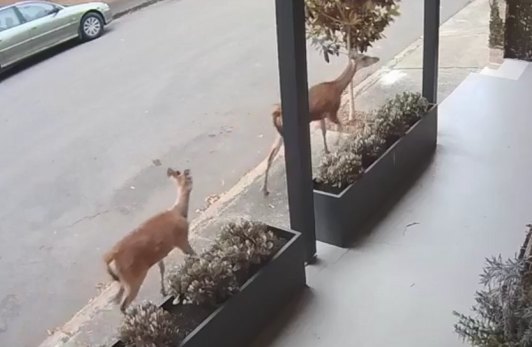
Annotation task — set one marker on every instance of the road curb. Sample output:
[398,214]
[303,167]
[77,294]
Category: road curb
[125,9]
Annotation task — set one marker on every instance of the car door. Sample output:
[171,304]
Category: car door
[47,25]
[12,36]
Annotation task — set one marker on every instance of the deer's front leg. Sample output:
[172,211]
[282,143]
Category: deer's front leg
[324,135]
[161,270]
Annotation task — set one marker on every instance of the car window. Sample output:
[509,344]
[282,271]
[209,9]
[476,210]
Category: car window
[8,18]
[35,11]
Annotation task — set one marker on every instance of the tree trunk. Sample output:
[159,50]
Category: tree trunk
[351,86]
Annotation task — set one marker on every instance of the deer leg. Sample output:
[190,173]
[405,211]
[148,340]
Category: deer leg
[333,117]
[161,270]
[187,248]
[273,152]
[118,296]
[132,290]
[339,129]
[324,135]
[183,244]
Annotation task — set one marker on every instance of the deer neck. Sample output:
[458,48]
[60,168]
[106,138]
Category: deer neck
[181,204]
[346,76]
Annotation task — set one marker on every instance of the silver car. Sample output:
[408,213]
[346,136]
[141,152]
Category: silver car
[29,27]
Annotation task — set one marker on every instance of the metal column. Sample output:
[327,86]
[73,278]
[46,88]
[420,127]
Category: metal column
[291,45]
[431,38]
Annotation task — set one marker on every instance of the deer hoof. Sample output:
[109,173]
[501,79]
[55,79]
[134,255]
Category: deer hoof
[265,192]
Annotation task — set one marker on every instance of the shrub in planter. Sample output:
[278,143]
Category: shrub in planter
[222,288]
[397,115]
[391,121]
[207,280]
[339,168]
[411,106]
[367,144]
[503,309]
[388,124]
[147,325]
[246,244]
[352,183]
[218,273]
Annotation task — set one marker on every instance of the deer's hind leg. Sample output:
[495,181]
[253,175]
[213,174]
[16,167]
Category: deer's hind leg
[273,153]
[333,117]
[187,248]
[118,296]
[132,288]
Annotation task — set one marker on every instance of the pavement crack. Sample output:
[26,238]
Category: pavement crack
[86,218]
[408,226]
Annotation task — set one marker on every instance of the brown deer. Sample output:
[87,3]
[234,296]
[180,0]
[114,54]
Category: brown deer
[324,102]
[130,259]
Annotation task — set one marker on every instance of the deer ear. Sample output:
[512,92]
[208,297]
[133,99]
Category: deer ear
[170,172]
[186,172]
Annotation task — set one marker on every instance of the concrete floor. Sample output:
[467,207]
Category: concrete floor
[399,286]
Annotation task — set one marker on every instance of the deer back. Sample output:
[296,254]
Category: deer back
[150,242]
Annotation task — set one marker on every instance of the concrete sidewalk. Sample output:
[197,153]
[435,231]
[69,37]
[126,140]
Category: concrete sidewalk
[463,49]
[123,7]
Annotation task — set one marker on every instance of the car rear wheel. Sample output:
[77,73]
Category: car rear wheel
[91,26]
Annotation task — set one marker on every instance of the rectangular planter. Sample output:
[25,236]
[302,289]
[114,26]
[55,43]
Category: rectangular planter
[339,217]
[241,318]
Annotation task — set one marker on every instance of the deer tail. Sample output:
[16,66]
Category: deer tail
[109,258]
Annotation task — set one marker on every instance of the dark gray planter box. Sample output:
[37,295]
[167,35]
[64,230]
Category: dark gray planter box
[340,217]
[239,320]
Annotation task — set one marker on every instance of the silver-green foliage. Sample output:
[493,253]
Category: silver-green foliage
[343,166]
[339,168]
[503,309]
[366,143]
[245,243]
[215,275]
[394,118]
[147,325]
[411,106]
[208,279]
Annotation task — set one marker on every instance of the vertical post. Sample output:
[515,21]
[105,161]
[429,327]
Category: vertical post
[431,38]
[292,55]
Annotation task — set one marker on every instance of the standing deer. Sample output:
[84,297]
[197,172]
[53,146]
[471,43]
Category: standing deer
[130,259]
[324,102]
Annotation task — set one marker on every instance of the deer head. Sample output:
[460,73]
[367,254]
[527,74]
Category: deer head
[362,60]
[183,180]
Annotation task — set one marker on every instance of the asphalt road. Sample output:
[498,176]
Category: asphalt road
[87,131]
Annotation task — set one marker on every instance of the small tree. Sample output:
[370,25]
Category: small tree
[342,26]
